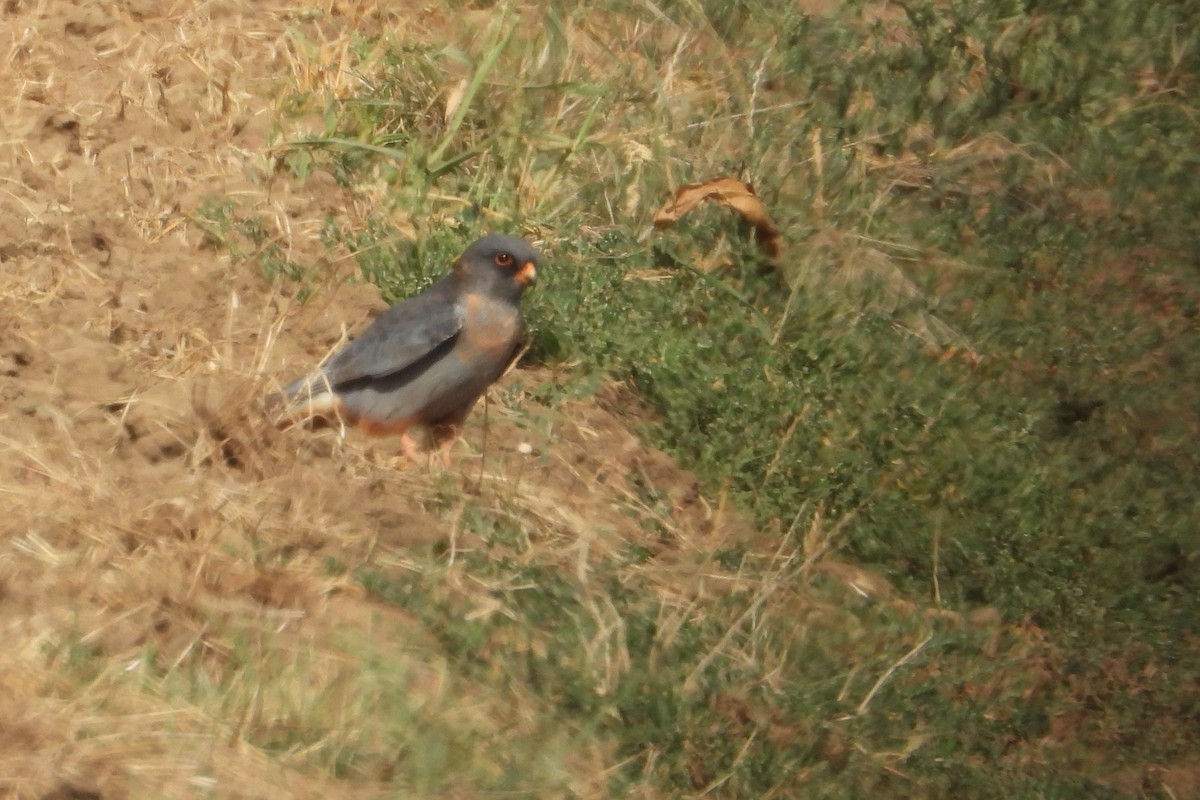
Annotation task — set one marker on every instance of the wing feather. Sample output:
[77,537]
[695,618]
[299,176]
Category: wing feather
[400,336]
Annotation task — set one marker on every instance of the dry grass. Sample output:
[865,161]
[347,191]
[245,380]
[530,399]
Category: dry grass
[162,593]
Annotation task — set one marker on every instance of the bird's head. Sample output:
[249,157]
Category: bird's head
[501,265]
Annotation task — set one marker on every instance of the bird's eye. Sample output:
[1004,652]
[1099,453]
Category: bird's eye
[504,259]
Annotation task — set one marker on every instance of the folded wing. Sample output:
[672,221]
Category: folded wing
[398,338]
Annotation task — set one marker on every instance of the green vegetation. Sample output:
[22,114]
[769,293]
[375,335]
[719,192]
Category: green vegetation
[979,351]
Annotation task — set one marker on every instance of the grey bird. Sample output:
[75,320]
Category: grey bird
[427,359]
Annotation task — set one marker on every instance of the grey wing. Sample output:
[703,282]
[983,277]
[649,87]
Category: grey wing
[400,336]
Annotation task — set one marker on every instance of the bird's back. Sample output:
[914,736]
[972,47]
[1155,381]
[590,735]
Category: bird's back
[450,378]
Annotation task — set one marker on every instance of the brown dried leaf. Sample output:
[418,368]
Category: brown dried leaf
[731,192]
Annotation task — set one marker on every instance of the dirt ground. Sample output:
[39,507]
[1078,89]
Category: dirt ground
[136,469]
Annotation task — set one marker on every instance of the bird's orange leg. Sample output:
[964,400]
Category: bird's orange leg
[446,432]
[410,448]
[444,437]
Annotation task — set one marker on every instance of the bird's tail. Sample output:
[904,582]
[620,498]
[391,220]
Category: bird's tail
[306,400]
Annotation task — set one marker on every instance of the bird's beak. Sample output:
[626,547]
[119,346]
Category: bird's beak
[527,274]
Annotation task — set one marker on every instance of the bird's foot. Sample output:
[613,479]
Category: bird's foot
[410,448]
[444,437]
